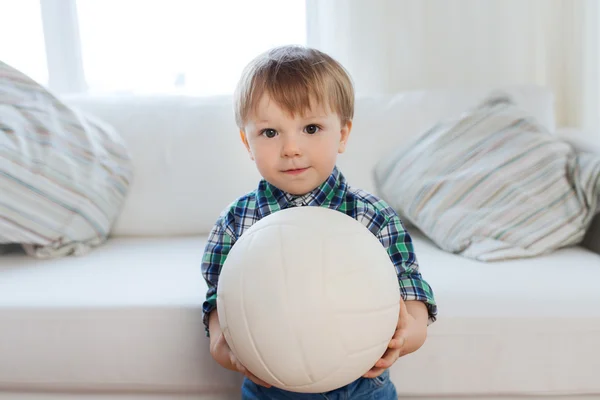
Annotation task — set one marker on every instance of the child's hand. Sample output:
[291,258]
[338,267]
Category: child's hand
[223,355]
[221,352]
[409,336]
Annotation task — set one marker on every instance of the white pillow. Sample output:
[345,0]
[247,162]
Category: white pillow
[493,184]
[63,175]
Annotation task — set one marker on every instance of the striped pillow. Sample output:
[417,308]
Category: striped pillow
[63,175]
[493,185]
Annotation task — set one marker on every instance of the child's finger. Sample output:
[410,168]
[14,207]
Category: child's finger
[388,358]
[403,313]
[237,365]
[397,342]
[374,372]
[257,380]
[233,360]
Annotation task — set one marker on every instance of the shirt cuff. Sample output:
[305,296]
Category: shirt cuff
[208,306]
[412,289]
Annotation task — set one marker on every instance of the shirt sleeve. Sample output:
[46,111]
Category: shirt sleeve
[399,246]
[217,248]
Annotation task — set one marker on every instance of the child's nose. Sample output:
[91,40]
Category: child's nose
[290,147]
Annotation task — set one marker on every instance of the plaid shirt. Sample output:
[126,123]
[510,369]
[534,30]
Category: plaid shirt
[336,194]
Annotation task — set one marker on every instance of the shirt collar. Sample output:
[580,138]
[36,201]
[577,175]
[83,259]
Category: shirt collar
[328,194]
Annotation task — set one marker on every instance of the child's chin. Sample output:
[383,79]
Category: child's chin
[298,190]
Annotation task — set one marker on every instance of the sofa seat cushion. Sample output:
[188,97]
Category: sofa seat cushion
[527,326]
[125,317]
[128,317]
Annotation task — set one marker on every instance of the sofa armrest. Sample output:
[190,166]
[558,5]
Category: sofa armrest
[592,237]
[589,142]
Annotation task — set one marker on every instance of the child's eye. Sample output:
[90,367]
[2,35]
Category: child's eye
[311,129]
[270,133]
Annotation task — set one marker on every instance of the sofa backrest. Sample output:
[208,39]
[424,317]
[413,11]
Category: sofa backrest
[189,162]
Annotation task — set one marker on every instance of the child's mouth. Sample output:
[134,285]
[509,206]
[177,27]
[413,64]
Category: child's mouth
[295,171]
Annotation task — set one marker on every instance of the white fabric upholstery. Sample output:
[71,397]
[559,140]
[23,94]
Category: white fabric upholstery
[188,158]
[526,326]
[189,161]
[383,123]
[128,317]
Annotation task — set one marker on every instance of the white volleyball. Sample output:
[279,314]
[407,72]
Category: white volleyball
[308,299]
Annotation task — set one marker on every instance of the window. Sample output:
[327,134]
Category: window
[180,45]
[22,38]
[131,46]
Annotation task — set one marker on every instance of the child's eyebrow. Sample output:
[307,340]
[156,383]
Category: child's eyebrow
[315,116]
[262,122]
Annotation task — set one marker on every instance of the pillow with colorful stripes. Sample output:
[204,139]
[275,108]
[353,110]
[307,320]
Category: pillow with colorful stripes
[493,184]
[63,175]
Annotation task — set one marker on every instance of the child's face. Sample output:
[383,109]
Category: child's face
[295,154]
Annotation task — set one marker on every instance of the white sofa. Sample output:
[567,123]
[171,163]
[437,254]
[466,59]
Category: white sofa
[125,321]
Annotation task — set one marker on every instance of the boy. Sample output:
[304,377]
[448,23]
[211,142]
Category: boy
[294,108]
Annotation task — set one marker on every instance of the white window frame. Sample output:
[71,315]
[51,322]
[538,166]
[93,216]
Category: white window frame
[63,46]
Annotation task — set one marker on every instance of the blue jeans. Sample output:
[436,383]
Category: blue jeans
[379,388]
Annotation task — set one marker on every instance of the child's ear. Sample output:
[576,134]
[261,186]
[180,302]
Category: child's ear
[345,133]
[245,141]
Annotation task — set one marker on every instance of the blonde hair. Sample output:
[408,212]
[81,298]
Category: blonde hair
[295,77]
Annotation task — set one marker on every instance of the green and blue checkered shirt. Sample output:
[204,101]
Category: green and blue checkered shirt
[336,194]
